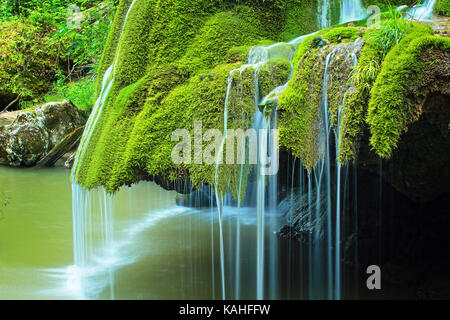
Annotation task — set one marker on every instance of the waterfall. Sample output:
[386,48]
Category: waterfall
[323,13]
[258,56]
[219,197]
[97,110]
[422,11]
[85,217]
[351,10]
[323,214]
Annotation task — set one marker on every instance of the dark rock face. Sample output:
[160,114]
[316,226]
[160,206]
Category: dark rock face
[34,133]
[420,167]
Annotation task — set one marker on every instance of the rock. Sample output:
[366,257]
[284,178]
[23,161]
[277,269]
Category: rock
[65,146]
[34,133]
[66,161]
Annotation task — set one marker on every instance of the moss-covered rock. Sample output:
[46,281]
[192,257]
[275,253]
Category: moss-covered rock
[273,74]
[300,102]
[173,63]
[411,71]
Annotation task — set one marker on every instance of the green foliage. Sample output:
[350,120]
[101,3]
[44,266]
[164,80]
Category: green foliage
[394,104]
[38,45]
[85,45]
[30,61]
[392,31]
[80,93]
[442,7]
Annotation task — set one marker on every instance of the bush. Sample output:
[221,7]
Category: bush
[80,93]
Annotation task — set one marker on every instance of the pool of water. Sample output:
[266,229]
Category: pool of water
[35,233]
[158,251]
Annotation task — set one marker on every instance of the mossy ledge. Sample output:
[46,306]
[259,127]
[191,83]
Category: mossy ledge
[174,58]
[173,70]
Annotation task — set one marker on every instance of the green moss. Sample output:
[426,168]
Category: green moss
[303,48]
[300,18]
[442,7]
[341,33]
[174,59]
[397,95]
[299,104]
[355,109]
[355,113]
[220,33]
[273,74]
[110,141]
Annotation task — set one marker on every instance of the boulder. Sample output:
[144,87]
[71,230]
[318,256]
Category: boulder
[61,149]
[34,133]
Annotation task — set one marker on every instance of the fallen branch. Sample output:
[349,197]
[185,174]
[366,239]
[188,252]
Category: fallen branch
[11,104]
[66,145]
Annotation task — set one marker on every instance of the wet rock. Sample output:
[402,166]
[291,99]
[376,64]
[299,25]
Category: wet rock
[65,146]
[34,133]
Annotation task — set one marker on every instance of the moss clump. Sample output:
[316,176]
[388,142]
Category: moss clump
[300,103]
[355,112]
[300,18]
[363,79]
[273,74]
[341,33]
[397,94]
[29,61]
[220,33]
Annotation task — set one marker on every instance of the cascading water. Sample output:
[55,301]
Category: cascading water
[422,11]
[351,10]
[83,217]
[258,56]
[95,208]
[323,7]
[325,247]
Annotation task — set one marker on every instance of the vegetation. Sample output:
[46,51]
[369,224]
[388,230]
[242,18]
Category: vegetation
[81,93]
[443,7]
[392,31]
[186,52]
[40,46]
[394,104]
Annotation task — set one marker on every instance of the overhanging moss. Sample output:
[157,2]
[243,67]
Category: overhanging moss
[299,104]
[163,44]
[397,95]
